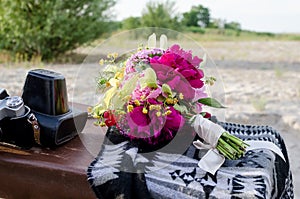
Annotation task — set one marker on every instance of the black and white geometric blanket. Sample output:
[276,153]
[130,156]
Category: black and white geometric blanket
[120,171]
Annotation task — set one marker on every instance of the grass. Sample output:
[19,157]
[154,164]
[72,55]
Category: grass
[279,72]
[244,35]
[6,59]
[197,34]
[259,103]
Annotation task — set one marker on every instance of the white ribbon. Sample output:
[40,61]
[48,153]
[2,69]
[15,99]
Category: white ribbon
[257,144]
[210,133]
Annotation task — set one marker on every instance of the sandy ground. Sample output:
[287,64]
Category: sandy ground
[260,83]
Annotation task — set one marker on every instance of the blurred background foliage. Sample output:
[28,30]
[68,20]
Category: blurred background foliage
[48,29]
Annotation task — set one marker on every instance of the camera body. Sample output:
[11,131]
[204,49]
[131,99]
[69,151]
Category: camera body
[42,115]
[15,125]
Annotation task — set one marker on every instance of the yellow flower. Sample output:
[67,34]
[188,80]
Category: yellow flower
[158,113]
[137,102]
[90,109]
[115,55]
[96,116]
[107,84]
[154,107]
[145,111]
[181,96]
[102,124]
[119,75]
[170,101]
[101,62]
[143,97]
[151,107]
[168,112]
[114,82]
[110,55]
[129,108]
[126,98]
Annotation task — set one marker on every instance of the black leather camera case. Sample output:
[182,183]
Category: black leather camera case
[45,92]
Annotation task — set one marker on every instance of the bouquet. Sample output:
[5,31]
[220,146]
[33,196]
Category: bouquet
[152,93]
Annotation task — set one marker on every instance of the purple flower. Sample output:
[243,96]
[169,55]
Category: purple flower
[141,58]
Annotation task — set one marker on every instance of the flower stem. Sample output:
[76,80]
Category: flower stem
[231,146]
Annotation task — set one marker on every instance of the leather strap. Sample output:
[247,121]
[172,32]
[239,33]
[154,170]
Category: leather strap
[35,127]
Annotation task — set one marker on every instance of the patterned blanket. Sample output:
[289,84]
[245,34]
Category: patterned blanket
[122,171]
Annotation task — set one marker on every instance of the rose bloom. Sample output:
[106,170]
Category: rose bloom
[182,62]
[167,75]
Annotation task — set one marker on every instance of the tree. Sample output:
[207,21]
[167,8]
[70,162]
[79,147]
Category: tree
[131,23]
[197,16]
[233,25]
[161,15]
[48,28]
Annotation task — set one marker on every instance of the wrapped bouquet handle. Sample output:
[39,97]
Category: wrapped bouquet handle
[223,145]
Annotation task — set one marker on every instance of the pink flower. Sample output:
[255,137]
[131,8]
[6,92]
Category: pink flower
[182,62]
[138,117]
[176,81]
[175,120]
[199,93]
[151,127]
[187,55]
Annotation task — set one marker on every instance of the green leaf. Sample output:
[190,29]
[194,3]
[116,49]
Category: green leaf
[149,79]
[181,108]
[211,102]
[166,89]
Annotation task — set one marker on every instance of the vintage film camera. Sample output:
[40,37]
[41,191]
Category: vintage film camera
[46,117]
[18,126]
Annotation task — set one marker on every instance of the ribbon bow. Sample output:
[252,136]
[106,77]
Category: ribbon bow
[211,133]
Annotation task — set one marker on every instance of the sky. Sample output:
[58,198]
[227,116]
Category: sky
[277,16]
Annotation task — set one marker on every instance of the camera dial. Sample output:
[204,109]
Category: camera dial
[14,102]
[11,107]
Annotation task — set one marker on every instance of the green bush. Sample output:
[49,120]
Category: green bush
[161,15]
[195,29]
[197,16]
[131,23]
[48,28]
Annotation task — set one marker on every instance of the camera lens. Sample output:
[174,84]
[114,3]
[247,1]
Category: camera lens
[14,102]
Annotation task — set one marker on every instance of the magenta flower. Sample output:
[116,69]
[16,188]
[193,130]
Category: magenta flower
[151,127]
[176,81]
[138,117]
[181,61]
[175,120]
[187,55]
